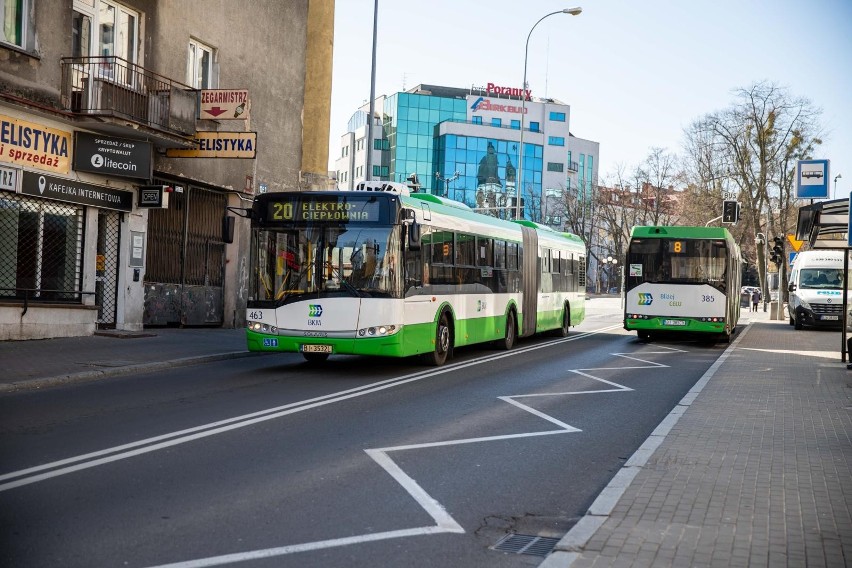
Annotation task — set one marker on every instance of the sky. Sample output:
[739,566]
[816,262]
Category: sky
[635,72]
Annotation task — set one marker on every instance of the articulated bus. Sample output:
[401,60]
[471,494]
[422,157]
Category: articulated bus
[382,271]
[682,280]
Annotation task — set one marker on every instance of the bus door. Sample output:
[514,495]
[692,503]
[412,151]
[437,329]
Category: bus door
[530,280]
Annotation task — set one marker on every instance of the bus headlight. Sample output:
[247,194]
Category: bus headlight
[379,330]
[261,327]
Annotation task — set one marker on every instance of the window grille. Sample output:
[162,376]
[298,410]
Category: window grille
[41,249]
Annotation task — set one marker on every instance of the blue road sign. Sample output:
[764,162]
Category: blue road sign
[792,258]
[812,179]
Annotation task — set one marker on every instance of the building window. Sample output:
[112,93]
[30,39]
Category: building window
[556,140]
[498,122]
[557,116]
[81,34]
[199,65]
[16,25]
[345,151]
[555,166]
[43,244]
[381,144]
[381,171]
[516,124]
[477,119]
[117,33]
[534,127]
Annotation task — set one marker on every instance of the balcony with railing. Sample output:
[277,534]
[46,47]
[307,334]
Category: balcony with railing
[572,166]
[113,90]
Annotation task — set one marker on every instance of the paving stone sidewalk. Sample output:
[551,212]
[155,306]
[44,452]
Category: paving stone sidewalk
[753,468]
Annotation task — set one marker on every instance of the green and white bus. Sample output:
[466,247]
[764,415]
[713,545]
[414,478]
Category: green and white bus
[382,271]
[683,280]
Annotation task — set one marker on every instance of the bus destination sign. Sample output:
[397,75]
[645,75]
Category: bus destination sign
[324,210]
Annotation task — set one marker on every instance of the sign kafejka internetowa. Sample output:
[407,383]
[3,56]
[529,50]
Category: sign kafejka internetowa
[73,191]
[812,179]
[224,104]
[219,145]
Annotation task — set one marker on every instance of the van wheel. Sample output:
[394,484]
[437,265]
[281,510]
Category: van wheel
[797,324]
[443,342]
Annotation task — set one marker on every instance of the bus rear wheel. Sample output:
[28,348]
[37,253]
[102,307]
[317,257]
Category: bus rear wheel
[443,342]
[563,330]
[510,335]
[644,335]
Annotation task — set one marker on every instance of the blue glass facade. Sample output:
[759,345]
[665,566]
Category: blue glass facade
[409,122]
[488,170]
[411,128]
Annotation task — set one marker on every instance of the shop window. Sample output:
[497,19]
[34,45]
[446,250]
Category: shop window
[41,249]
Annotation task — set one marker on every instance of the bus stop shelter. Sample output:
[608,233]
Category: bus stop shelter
[825,225]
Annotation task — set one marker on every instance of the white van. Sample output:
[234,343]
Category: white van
[816,289]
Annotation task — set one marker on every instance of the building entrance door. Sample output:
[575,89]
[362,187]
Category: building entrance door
[106,268]
[185,262]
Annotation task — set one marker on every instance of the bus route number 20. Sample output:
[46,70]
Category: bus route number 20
[282,211]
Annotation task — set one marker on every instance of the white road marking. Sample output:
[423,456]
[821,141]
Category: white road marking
[444,521]
[147,445]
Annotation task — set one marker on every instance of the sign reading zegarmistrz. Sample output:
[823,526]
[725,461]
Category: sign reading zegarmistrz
[224,104]
[219,145]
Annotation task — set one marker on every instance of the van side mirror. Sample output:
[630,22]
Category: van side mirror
[228,229]
[414,236]
[791,287]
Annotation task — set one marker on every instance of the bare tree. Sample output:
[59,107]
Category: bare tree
[753,145]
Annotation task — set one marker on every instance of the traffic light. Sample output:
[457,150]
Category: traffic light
[730,211]
[776,255]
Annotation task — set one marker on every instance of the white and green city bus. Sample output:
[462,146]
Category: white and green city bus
[682,280]
[382,271]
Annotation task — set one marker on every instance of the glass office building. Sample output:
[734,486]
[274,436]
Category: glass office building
[464,144]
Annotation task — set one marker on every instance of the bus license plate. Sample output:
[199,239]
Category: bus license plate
[830,318]
[270,342]
[316,348]
[674,322]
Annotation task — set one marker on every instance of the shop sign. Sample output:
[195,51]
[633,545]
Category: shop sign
[9,178]
[224,104]
[219,145]
[73,191]
[33,145]
[112,156]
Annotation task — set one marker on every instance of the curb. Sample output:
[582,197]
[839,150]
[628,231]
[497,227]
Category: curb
[87,376]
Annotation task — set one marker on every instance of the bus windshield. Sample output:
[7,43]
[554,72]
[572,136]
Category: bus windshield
[681,261]
[325,260]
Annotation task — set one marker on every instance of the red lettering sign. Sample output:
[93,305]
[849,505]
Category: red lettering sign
[511,91]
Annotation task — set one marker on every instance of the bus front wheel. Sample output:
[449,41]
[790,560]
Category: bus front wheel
[443,342]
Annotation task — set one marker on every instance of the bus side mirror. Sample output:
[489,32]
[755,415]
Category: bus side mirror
[228,229]
[414,236]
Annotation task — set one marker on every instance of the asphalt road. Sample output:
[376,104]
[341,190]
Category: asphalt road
[270,461]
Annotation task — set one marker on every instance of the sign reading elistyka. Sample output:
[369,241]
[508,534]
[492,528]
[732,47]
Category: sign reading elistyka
[219,145]
[29,144]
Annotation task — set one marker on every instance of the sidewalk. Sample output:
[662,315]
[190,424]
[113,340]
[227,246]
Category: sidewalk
[752,468]
[48,362]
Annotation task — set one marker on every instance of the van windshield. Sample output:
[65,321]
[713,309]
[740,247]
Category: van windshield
[821,278]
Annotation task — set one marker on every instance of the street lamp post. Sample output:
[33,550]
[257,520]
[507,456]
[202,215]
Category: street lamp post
[447,181]
[519,189]
[368,175]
